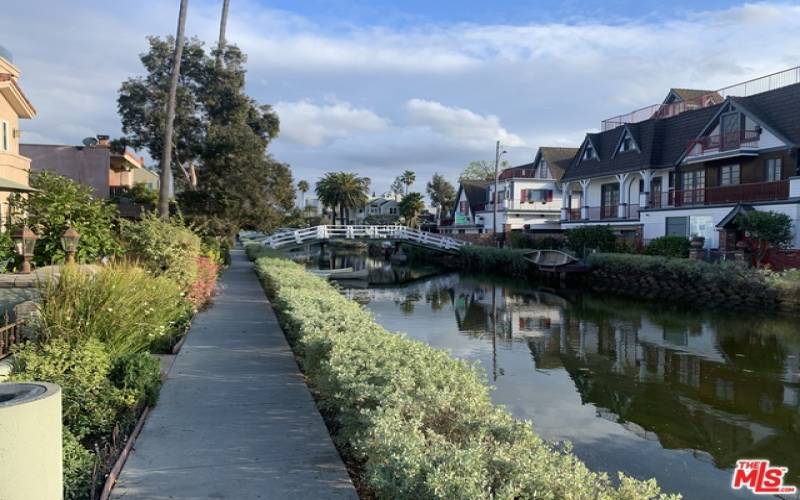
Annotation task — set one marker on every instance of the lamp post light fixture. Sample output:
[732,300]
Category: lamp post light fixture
[24,242]
[69,242]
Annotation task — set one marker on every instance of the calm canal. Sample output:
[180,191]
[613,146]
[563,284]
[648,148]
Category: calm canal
[651,390]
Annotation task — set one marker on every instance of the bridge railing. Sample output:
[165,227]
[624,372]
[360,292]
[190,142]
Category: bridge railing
[346,232]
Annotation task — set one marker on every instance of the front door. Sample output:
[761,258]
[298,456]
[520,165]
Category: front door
[655,192]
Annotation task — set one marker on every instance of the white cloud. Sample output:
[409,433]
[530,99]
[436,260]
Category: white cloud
[425,97]
[309,124]
[460,125]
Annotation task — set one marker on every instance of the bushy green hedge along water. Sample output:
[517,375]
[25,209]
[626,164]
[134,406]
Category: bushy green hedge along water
[510,262]
[421,423]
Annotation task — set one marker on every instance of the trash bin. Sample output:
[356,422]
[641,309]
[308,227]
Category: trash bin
[30,441]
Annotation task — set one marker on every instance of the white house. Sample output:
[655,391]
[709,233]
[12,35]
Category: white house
[529,196]
[689,168]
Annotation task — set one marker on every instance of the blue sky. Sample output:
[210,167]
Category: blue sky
[378,87]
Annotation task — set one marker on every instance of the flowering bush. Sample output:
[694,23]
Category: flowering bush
[421,423]
[202,289]
[122,305]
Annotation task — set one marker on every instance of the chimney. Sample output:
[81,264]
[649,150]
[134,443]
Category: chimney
[103,141]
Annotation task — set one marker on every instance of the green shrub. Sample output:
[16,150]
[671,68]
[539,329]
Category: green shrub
[669,246]
[724,283]
[519,239]
[61,203]
[121,305]
[140,373]
[217,249]
[164,247]
[78,467]
[584,240]
[257,250]
[494,260]
[787,286]
[421,422]
[90,402]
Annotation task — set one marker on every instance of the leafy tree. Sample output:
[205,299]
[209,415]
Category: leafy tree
[766,230]
[303,187]
[441,193]
[140,193]
[219,130]
[61,203]
[407,178]
[398,187]
[480,170]
[343,191]
[411,206]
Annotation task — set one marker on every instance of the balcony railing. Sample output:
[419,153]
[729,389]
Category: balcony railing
[604,213]
[725,142]
[740,193]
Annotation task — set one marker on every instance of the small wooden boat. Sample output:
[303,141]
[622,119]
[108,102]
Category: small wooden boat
[327,273]
[345,273]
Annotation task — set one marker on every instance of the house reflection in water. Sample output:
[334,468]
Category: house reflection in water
[724,387]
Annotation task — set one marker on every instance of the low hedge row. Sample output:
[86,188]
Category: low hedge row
[420,423]
[484,259]
[647,276]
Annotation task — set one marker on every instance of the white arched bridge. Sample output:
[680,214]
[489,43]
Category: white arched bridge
[400,234]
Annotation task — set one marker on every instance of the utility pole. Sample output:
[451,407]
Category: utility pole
[166,154]
[494,201]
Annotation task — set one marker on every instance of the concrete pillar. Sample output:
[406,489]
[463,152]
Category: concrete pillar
[794,187]
[565,195]
[584,198]
[622,209]
[30,441]
[644,196]
[696,251]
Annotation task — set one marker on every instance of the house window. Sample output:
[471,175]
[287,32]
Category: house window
[610,198]
[4,132]
[773,168]
[588,152]
[730,131]
[678,226]
[393,211]
[626,144]
[694,187]
[729,175]
[544,171]
[463,208]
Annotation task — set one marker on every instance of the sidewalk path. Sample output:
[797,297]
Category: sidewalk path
[235,418]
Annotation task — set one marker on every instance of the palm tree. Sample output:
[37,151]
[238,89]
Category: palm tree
[343,190]
[302,186]
[166,154]
[411,206]
[441,193]
[408,179]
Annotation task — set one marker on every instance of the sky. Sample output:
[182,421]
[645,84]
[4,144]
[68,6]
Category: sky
[379,87]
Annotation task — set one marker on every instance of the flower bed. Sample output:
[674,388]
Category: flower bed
[420,423]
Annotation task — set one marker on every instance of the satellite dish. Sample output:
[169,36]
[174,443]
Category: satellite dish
[90,142]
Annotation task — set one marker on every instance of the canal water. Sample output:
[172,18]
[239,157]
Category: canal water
[653,390]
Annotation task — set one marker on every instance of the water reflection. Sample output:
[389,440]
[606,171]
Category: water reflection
[649,390]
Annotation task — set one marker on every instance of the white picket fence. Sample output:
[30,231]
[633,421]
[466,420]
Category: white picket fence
[340,232]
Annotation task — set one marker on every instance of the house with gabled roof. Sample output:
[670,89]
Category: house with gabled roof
[529,195]
[467,215]
[683,170]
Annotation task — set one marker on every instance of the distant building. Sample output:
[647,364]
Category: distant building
[107,171]
[380,209]
[14,106]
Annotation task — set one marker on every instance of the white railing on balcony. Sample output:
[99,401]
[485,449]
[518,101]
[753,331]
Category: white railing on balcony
[365,232]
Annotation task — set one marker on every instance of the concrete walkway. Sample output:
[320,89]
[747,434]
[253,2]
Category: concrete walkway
[235,418]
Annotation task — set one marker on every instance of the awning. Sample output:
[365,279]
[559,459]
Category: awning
[7,186]
[731,217]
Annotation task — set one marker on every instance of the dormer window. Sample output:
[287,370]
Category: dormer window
[588,152]
[626,144]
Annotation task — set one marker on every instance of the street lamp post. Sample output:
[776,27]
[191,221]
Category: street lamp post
[69,242]
[24,243]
